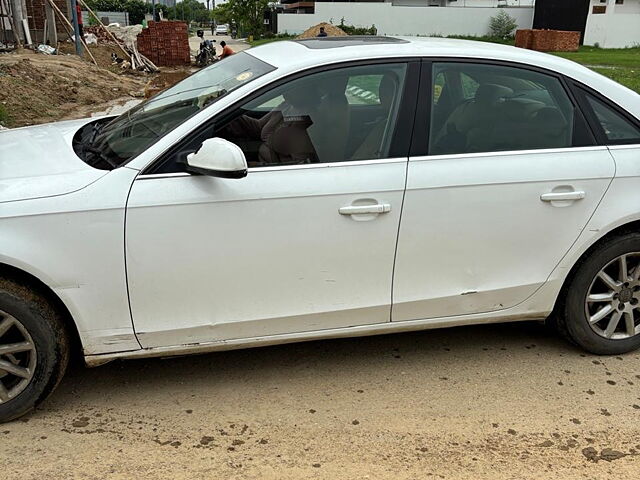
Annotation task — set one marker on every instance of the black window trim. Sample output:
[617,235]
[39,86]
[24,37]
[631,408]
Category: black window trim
[402,134]
[420,143]
[580,90]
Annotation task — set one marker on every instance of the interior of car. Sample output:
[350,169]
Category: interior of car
[335,116]
[484,108]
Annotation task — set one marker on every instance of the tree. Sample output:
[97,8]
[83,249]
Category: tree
[135,8]
[502,25]
[249,15]
[222,14]
[189,11]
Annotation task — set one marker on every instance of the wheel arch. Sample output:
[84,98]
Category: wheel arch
[24,277]
[621,230]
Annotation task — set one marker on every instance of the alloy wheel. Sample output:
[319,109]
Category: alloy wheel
[612,305]
[17,357]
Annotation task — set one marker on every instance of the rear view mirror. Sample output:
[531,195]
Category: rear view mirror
[218,157]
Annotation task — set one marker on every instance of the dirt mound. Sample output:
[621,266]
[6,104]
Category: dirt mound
[40,88]
[331,30]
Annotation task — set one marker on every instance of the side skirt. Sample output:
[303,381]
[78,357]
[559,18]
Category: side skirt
[357,331]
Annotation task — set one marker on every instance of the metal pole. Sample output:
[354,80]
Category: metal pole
[153,2]
[76,28]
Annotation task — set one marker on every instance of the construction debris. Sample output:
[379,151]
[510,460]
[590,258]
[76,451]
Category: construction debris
[330,29]
[37,88]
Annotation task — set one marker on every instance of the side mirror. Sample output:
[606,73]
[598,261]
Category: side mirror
[218,157]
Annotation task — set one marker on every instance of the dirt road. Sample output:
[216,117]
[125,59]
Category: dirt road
[488,402]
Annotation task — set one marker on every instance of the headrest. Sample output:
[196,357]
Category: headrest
[387,88]
[489,93]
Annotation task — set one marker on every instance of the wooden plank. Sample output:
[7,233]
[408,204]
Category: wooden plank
[70,28]
[52,31]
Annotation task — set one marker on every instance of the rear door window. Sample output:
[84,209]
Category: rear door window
[501,108]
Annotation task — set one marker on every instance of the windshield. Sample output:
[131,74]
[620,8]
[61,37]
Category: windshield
[113,143]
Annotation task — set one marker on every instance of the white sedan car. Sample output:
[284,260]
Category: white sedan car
[222,30]
[319,189]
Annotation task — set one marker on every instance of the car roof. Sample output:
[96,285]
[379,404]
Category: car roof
[295,55]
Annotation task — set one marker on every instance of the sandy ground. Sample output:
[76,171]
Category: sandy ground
[235,44]
[486,402]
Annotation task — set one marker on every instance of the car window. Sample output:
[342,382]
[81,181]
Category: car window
[331,116]
[614,125]
[502,108]
[364,89]
[110,144]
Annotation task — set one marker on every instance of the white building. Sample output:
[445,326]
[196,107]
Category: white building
[405,17]
[613,23]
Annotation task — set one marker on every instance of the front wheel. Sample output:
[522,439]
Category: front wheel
[34,349]
[601,311]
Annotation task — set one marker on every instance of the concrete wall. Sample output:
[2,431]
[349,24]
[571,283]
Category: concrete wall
[403,20]
[114,17]
[619,27]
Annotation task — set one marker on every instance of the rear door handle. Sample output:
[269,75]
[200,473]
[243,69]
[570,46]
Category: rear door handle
[364,209]
[560,196]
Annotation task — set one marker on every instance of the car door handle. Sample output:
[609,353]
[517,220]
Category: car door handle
[364,209]
[560,196]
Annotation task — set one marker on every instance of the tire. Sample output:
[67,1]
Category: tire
[573,313]
[31,316]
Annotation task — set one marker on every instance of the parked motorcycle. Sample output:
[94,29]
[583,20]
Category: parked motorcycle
[207,54]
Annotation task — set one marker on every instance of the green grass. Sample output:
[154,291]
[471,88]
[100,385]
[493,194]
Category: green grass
[277,38]
[4,116]
[619,64]
[616,57]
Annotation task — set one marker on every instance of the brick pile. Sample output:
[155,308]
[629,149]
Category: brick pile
[548,40]
[98,31]
[165,43]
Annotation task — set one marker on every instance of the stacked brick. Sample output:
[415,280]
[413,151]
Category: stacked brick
[165,43]
[548,40]
[98,31]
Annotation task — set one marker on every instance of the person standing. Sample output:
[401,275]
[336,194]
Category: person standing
[79,14]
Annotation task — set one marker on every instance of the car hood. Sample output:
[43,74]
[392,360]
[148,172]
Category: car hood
[39,161]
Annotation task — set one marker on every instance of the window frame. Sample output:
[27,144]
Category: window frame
[420,143]
[580,90]
[400,141]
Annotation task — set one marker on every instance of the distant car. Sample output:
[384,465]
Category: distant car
[222,30]
[317,189]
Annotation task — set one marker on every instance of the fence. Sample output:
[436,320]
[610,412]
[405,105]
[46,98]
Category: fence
[391,19]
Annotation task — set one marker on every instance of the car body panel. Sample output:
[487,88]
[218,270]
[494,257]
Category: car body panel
[272,248]
[39,161]
[74,244]
[471,223]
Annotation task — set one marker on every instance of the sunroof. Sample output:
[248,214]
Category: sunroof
[337,42]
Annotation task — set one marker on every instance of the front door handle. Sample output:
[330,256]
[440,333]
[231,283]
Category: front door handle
[560,196]
[364,209]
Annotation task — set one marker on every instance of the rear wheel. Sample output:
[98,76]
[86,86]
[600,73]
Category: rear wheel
[34,349]
[601,312]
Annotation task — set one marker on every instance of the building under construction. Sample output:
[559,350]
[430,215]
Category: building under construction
[31,22]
